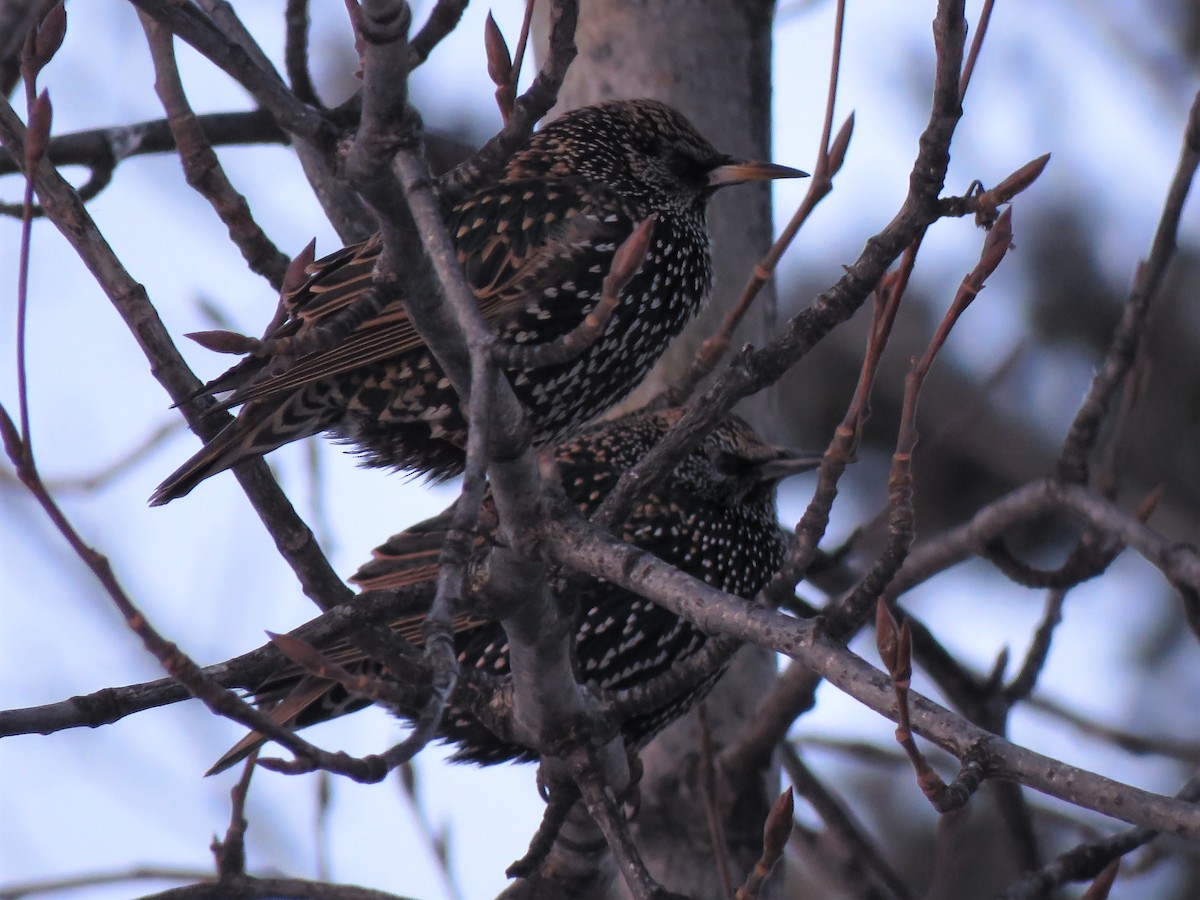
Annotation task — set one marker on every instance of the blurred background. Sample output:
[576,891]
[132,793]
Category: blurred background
[1104,86]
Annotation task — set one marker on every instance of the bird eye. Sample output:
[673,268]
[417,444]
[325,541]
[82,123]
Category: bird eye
[730,464]
[684,164]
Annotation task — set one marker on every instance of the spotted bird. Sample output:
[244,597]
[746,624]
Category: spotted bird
[714,518]
[535,247]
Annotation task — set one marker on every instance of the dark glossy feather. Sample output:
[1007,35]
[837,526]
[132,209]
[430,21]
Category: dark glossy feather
[714,518]
[535,248]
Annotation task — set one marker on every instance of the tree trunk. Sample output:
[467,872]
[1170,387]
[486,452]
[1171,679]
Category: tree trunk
[710,59]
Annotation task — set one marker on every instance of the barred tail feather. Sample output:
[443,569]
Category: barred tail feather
[306,693]
[214,457]
[257,430]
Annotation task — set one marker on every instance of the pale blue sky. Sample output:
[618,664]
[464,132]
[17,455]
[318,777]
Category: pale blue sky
[204,571]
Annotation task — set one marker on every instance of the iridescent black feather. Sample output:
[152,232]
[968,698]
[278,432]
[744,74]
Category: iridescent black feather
[535,248]
[714,518]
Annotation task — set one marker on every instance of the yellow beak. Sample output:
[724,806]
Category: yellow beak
[737,171]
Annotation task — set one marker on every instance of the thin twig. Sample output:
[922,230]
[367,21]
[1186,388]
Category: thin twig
[1087,861]
[527,109]
[243,62]
[776,831]
[894,643]
[1039,650]
[437,838]
[711,789]
[443,19]
[1130,331]
[752,370]
[606,812]
[843,447]
[792,693]
[558,806]
[295,52]
[1135,742]
[176,663]
[200,164]
[292,537]
[829,163]
[901,514]
[19,890]
[840,822]
[981,27]
[230,852]
[103,148]
[223,16]
[245,672]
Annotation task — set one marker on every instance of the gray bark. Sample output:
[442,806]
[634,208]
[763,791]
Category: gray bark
[710,59]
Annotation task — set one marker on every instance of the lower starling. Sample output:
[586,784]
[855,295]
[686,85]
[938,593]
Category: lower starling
[714,518]
[535,247]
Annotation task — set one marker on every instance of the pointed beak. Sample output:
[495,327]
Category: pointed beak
[788,463]
[736,171]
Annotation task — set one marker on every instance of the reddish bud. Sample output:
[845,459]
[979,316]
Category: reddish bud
[1019,180]
[1149,504]
[885,635]
[220,341]
[499,60]
[779,825]
[37,136]
[841,142]
[13,445]
[1102,886]
[43,41]
[298,651]
[632,253]
[903,671]
[297,271]
[997,243]
[50,33]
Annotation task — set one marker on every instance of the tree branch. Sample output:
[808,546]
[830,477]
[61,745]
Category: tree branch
[292,537]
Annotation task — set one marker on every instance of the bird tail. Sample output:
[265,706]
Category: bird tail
[258,429]
[216,456]
[307,692]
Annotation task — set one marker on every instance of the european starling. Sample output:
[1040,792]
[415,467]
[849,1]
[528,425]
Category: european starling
[714,518]
[535,247]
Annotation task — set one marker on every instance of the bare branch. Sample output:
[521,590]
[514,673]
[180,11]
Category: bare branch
[838,820]
[292,537]
[173,660]
[829,163]
[102,148]
[242,63]
[1130,331]
[200,164]
[1087,861]
[295,52]
[751,371]
[585,548]
[247,671]
[442,20]
[527,109]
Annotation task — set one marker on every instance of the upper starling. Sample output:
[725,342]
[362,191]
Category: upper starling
[535,247]
[714,518]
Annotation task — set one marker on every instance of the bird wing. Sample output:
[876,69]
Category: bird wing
[505,258]
[411,557]
[404,560]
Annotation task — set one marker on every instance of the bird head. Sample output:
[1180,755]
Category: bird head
[645,150]
[739,466]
